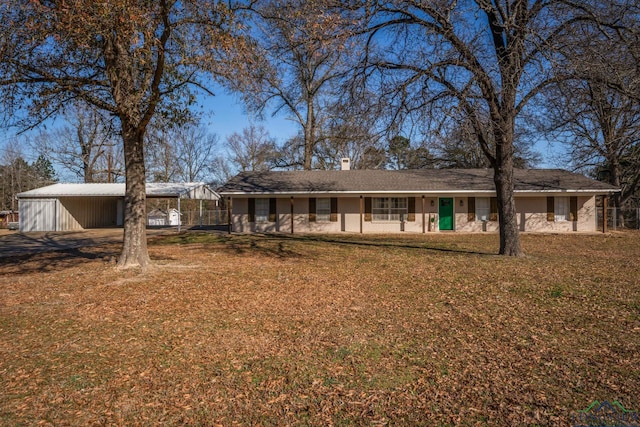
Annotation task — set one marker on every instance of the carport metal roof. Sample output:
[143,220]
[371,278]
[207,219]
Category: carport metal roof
[186,190]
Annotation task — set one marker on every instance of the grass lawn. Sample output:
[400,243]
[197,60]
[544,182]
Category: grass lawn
[334,330]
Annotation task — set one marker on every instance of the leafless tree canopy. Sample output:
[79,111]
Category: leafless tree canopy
[479,61]
[461,82]
[134,59]
[86,145]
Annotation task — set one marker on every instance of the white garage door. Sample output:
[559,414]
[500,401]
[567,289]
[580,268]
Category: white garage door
[37,214]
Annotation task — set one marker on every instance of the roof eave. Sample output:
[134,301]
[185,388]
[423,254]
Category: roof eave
[426,192]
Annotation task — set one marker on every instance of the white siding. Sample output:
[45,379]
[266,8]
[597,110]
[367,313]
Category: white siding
[37,214]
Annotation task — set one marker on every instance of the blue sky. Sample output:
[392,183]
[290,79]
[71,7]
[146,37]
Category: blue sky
[224,114]
[227,115]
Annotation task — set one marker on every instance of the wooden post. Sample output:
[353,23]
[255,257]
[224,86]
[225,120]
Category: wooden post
[605,203]
[423,216]
[229,215]
[361,208]
[179,215]
[291,214]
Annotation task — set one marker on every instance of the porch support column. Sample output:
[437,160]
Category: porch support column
[291,214]
[605,203]
[229,215]
[423,215]
[179,215]
[361,209]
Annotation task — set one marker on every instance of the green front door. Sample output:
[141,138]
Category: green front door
[445,212]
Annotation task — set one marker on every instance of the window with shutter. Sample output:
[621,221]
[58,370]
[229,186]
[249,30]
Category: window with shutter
[323,209]
[484,210]
[261,210]
[389,208]
[561,209]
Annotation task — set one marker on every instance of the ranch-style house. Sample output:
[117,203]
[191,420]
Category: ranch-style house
[418,201]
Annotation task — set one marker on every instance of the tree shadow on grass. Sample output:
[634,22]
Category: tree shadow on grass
[265,244]
[56,260]
[390,243]
[275,244]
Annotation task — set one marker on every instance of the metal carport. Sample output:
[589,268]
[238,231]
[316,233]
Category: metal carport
[66,207]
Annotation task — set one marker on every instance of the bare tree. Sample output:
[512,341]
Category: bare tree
[130,58]
[110,166]
[161,155]
[221,170]
[595,109]
[351,130]
[252,150]
[456,146]
[483,58]
[195,148]
[179,152]
[307,50]
[85,145]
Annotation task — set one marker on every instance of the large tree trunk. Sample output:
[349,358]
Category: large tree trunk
[134,249]
[503,179]
[507,215]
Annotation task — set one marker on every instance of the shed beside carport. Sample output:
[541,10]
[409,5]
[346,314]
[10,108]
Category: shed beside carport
[66,207]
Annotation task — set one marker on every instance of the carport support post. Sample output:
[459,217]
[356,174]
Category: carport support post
[179,215]
[605,203]
[200,225]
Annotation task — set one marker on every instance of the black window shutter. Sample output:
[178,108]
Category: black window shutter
[471,209]
[551,216]
[367,208]
[334,209]
[573,208]
[252,210]
[493,205]
[272,209]
[411,214]
[312,209]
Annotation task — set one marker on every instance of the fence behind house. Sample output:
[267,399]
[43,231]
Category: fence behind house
[209,217]
[620,219]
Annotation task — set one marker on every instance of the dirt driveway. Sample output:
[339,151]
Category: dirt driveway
[13,243]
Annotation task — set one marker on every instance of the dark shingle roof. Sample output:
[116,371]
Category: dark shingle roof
[406,181]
